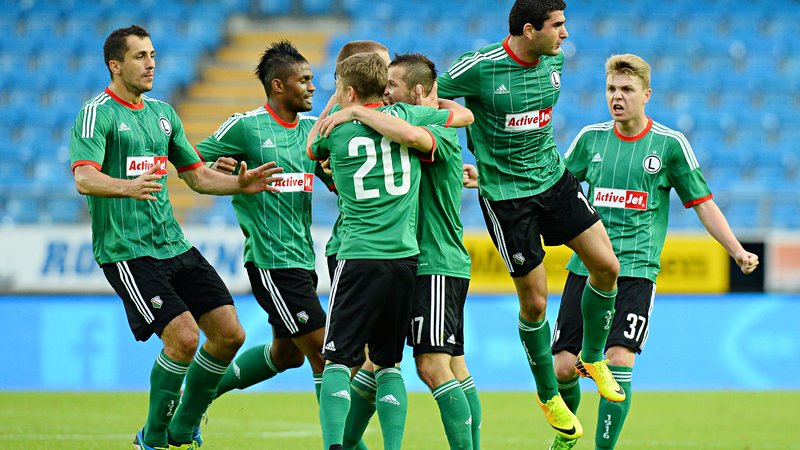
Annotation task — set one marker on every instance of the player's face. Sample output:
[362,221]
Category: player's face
[548,41]
[397,90]
[138,67]
[298,88]
[626,97]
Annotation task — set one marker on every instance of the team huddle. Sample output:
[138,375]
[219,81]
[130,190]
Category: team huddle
[386,144]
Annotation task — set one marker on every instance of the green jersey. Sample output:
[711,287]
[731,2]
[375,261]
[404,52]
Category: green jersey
[629,183]
[512,136]
[276,226]
[378,185]
[123,140]
[440,233]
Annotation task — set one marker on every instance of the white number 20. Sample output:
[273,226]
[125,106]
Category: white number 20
[388,167]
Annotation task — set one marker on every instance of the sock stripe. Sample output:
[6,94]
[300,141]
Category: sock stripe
[268,358]
[386,371]
[445,387]
[202,360]
[605,294]
[524,326]
[366,380]
[317,378]
[468,383]
[338,367]
[573,383]
[172,366]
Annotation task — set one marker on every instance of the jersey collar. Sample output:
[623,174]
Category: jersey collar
[516,58]
[122,102]
[280,121]
[638,136]
[373,105]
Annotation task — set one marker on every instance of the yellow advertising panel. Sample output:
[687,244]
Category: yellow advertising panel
[689,264]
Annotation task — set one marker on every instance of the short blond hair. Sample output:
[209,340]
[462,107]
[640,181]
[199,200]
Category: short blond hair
[630,65]
[367,73]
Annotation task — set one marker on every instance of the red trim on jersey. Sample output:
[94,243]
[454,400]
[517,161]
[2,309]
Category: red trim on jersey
[638,136]
[696,202]
[449,119]
[373,105]
[516,58]
[310,154]
[189,167]
[332,188]
[280,121]
[85,162]
[122,102]
[198,153]
[425,156]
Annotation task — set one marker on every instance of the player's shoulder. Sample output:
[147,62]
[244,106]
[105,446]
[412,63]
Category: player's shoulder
[668,133]
[596,128]
[100,102]
[475,58]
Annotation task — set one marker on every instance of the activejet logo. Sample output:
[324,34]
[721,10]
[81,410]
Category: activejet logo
[531,120]
[294,182]
[620,198]
[137,165]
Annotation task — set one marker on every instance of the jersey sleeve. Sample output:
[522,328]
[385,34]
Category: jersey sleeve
[87,144]
[181,153]
[228,140]
[578,156]
[462,79]
[445,141]
[685,174]
[319,149]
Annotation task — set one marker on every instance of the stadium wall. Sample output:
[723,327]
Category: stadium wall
[695,342]
[58,260]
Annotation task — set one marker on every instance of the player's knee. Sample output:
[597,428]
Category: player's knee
[431,372]
[533,307]
[182,345]
[288,359]
[233,339]
[564,368]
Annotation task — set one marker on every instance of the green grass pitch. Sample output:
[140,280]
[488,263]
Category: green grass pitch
[512,420]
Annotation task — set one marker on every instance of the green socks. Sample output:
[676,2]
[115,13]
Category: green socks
[456,416]
[202,379]
[571,393]
[597,308]
[165,390]
[611,416]
[334,402]
[317,384]
[535,337]
[362,408]
[252,366]
[392,405]
[468,385]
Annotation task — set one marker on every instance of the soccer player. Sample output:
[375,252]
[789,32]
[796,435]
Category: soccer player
[436,331]
[526,193]
[378,183]
[279,250]
[630,163]
[119,147]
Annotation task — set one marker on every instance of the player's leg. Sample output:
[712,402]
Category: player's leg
[210,302]
[627,338]
[362,406]
[515,230]
[392,289]
[458,365]
[437,312]
[351,313]
[153,307]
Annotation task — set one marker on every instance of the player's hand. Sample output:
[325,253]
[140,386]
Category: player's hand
[430,100]
[326,166]
[259,179]
[747,262]
[225,165]
[145,185]
[327,124]
[470,176]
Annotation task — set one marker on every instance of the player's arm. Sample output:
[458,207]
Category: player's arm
[470,180]
[314,131]
[206,181]
[394,128]
[717,226]
[459,116]
[91,181]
